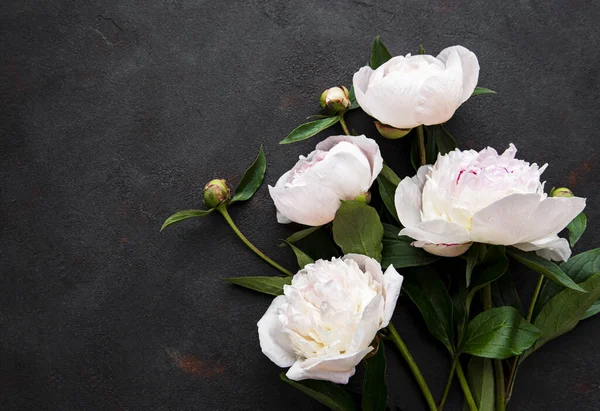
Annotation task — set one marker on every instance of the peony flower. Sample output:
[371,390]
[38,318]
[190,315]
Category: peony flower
[323,325]
[340,168]
[406,92]
[469,196]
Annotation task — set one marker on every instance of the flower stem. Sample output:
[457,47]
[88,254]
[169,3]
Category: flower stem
[222,208]
[344,125]
[421,137]
[395,337]
[517,361]
[465,387]
[448,384]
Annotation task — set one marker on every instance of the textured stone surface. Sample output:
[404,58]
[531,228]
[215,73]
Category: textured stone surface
[115,114]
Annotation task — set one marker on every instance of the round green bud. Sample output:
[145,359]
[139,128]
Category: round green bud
[335,99]
[561,192]
[215,192]
[390,132]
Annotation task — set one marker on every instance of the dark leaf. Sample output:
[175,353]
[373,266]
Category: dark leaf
[577,228]
[319,245]
[492,267]
[353,103]
[504,293]
[414,154]
[357,229]
[302,258]
[252,179]
[482,90]
[459,301]
[309,129]
[375,391]
[379,53]
[266,285]
[327,393]
[593,310]
[398,252]
[473,257]
[184,215]
[480,375]
[299,235]
[388,181]
[443,140]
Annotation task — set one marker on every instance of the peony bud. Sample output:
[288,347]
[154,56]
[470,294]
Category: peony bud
[215,192]
[561,192]
[390,132]
[335,99]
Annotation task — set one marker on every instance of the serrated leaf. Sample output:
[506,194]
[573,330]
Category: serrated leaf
[480,376]
[265,285]
[299,235]
[252,179]
[504,293]
[357,229]
[387,182]
[429,293]
[544,267]
[375,390]
[302,258]
[327,393]
[307,130]
[577,228]
[184,215]
[482,90]
[398,251]
[379,53]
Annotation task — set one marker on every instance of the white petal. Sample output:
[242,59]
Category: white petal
[443,250]
[281,219]
[337,369]
[308,204]
[551,248]
[522,218]
[470,68]
[369,324]
[438,232]
[392,284]
[274,342]
[366,264]
[408,202]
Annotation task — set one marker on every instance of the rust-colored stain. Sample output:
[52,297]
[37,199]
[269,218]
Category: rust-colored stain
[583,387]
[189,364]
[580,172]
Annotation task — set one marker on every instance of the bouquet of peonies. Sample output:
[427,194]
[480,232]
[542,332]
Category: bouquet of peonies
[441,238]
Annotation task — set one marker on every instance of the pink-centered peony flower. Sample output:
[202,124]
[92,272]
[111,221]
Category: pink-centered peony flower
[325,322]
[469,196]
[406,92]
[340,168]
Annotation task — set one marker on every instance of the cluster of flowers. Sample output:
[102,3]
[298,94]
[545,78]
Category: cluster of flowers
[325,319]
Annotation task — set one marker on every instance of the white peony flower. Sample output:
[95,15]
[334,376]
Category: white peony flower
[406,92]
[323,325]
[340,168]
[469,196]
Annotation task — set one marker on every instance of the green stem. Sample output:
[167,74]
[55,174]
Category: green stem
[517,361]
[448,384]
[421,137]
[222,208]
[395,337]
[344,125]
[465,387]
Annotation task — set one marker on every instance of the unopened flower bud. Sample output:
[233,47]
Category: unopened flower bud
[335,99]
[365,197]
[390,132]
[215,192]
[561,192]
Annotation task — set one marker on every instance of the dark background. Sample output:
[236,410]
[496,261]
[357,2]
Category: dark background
[114,114]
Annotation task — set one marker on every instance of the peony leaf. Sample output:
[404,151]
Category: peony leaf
[473,256]
[441,140]
[353,103]
[375,391]
[307,130]
[482,90]
[429,293]
[398,252]
[499,333]
[252,179]
[318,244]
[379,53]
[492,267]
[327,393]
[414,154]
[299,235]
[357,229]
[302,258]
[480,375]
[576,228]
[593,310]
[544,267]
[387,182]
[265,285]
[184,215]
[504,293]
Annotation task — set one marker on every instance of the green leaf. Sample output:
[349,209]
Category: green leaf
[577,228]
[459,308]
[593,310]
[388,181]
[427,290]
[482,90]
[301,256]
[504,293]
[265,285]
[444,142]
[379,53]
[492,267]
[319,245]
[544,267]
[431,149]
[309,129]
[375,391]
[480,376]
[414,154]
[327,393]
[499,333]
[421,49]
[184,215]
[299,235]
[357,229]
[398,252]
[562,313]
[473,256]
[579,268]
[353,103]
[252,179]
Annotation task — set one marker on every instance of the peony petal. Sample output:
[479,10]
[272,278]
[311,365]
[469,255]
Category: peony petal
[523,218]
[443,250]
[550,248]
[369,324]
[274,343]
[307,204]
[367,265]
[337,369]
[438,232]
[281,219]
[408,202]
[470,68]
[392,283]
